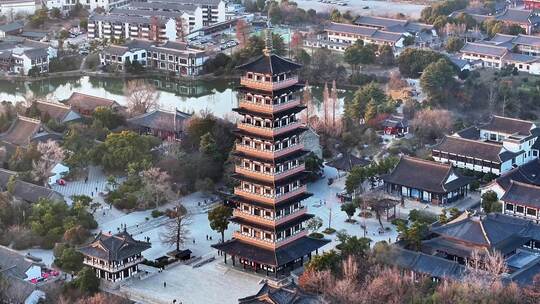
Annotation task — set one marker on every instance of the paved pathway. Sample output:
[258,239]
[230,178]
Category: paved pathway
[97,183]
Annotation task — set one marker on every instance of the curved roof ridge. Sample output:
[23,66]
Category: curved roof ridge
[475,141]
[426,161]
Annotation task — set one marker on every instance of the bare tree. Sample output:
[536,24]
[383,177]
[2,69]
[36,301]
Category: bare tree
[141,97]
[429,125]
[307,101]
[325,105]
[486,268]
[157,185]
[176,229]
[51,154]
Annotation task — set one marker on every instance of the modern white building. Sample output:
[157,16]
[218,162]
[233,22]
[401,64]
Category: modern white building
[172,57]
[155,20]
[22,55]
[11,8]
[495,147]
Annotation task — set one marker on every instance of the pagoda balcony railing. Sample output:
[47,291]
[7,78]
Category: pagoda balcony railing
[271,177]
[111,268]
[268,85]
[270,221]
[268,243]
[264,131]
[271,199]
[268,108]
[268,154]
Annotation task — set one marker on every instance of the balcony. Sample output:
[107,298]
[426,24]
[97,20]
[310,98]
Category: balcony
[264,108]
[268,244]
[268,85]
[270,199]
[113,268]
[270,177]
[254,218]
[268,154]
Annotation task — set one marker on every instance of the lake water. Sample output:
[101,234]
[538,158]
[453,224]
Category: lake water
[216,96]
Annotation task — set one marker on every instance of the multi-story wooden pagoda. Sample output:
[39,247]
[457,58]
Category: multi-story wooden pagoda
[270,170]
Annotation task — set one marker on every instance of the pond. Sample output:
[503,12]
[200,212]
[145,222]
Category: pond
[216,96]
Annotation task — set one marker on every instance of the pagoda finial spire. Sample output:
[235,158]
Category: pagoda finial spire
[268,48]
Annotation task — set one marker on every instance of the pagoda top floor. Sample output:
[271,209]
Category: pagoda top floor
[269,73]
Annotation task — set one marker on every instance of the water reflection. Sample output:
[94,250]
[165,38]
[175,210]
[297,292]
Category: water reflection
[216,96]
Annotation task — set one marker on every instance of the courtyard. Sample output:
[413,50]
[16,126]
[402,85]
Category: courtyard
[213,276]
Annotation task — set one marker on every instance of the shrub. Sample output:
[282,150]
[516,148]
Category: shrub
[317,235]
[156,213]
[329,230]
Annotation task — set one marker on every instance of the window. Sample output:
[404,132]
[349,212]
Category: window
[509,207]
[531,212]
[520,209]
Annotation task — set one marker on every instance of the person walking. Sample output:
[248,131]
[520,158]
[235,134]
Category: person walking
[164,284]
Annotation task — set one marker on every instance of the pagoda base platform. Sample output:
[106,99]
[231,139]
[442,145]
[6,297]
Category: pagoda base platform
[270,262]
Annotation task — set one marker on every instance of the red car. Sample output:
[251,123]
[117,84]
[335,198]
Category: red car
[61,182]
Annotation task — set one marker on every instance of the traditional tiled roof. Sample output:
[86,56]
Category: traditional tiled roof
[508,125]
[526,276]
[426,264]
[13,264]
[280,256]
[160,120]
[473,148]
[21,131]
[516,16]
[484,49]
[528,173]
[114,247]
[502,38]
[352,29]
[13,26]
[425,175]
[469,133]
[288,294]
[57,111]
[380,22]
[485,231]
[520,58]
[86,102]
[387,36]
[395,122]
[270,64]
[347,161]
[526,40]
[523,194]
[27,191]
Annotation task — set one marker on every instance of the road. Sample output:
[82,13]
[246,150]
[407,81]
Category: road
[376,8]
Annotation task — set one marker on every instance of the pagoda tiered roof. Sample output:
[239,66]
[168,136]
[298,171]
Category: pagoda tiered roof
[280,256]
[296,131]
[277,183]
[292,110]
[279,205]
[270,64]
[261,225]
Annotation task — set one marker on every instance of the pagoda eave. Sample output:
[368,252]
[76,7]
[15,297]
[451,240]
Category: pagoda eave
[297,131]
[279,182]
[274,115]
[279,257]
[260,225]
[282,204]
[296,154]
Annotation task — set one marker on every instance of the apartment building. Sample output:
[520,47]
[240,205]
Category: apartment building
[155,20]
